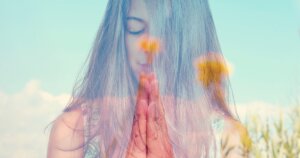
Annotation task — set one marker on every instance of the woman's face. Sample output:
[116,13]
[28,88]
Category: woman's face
[137,27]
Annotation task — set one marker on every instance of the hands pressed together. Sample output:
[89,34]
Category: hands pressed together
[149,134]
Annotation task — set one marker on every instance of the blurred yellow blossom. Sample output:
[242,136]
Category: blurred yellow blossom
[150,46]
[245,138]
[236,141]
[211,68]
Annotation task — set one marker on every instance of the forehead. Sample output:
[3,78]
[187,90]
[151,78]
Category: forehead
[138,9]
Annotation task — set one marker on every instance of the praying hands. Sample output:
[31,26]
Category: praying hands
[149,135]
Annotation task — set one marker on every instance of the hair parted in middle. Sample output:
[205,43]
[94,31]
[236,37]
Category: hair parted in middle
[108,87]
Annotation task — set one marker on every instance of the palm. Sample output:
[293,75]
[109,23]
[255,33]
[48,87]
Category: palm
[137,145]
[158,142]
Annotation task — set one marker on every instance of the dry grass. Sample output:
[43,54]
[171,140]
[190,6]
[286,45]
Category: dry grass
[277,138]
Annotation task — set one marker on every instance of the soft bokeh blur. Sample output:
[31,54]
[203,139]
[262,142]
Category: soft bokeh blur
[43,45]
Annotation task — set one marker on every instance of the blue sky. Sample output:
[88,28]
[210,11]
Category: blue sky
[49,41]
[262,40]
[43,45]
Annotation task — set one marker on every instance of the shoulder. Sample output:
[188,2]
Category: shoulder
[235,137]
[67,133]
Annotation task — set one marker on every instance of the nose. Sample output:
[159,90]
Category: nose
[142,54]
[149,47]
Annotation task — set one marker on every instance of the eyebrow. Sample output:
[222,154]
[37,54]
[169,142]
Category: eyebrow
[135,18]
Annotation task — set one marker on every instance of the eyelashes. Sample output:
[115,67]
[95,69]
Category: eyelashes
[136,32]
[135,26]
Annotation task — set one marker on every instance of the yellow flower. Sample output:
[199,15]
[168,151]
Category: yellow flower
[150,46]
[211,68]
[245,138]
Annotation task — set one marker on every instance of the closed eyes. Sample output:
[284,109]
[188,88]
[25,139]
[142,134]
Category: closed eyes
[135,26]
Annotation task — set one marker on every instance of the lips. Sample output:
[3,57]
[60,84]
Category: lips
[145,67]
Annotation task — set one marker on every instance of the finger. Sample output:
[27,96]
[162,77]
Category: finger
[151,126]
[155,118]
[158,141]
[138,137]
[154,95]
[141,106]
[143,88]
[154,99]
[151,78]
[136,143]
[142,119]
[154,90]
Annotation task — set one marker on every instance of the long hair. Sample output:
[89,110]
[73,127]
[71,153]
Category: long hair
[106,92]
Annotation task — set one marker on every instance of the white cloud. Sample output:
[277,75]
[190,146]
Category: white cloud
[262,109]
[24,116]
[265,113]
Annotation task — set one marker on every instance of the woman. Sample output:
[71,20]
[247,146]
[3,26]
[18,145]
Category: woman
[129,106]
